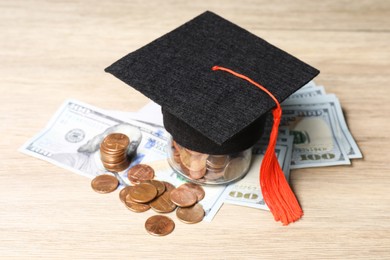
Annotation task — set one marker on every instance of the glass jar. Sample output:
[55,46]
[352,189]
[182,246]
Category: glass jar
[207,168]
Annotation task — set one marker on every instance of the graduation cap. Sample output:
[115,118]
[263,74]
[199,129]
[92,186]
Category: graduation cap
[216,83]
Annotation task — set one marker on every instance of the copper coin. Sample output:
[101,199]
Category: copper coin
[143,193]
[213,175]
[168,186]
[160,186]
[115,141]
[136,207]
[184,169]
[120,163]
[123,193]
[185,157]
[194,188]
[163,204]
[217,161]
[116,167]
[139,173]
[104,183]
[235,168]
[193,162]
[111,152]
[191,173]
[108,158]
[176,146]
[159,225]
[198,174]
[191,215]
[193,152]
[176,156]
[183,198]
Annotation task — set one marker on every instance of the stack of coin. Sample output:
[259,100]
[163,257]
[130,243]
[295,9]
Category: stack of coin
[193,163]
[205,168]
[216,166]
[176,152]
[113,152]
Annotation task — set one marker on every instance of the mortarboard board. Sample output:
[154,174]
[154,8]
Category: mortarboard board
[206,110]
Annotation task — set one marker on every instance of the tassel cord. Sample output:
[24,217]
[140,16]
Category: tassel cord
[276,191]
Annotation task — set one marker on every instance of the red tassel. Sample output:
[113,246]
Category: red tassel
[277,194]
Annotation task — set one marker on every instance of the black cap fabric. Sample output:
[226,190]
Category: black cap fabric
[176,72]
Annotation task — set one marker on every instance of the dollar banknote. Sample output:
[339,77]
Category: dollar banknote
[247,191]
[315,137]
[340,127]
[72,138]
[308,92]
[310,84]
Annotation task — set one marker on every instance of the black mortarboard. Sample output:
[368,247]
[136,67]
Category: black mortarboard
[205,110]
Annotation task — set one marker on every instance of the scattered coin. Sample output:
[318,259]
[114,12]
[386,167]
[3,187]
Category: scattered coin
[183,198]
[142,193]
[168,186]
[136,207]
[104,183]
[191,215]
[194,188]
[161,196]
[163,203]
[139,173]
[123,193]
[160,186]
[159,225]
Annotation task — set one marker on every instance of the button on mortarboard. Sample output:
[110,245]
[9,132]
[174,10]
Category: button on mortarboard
[226,113]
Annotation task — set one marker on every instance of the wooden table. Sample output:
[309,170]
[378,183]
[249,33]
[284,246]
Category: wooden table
[54,50]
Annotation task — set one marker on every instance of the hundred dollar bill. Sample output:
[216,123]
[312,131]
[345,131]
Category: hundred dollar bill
[308,93]
[72,137]
[315,138]
[340,127]
[310,84]
[149,114]
[247,192]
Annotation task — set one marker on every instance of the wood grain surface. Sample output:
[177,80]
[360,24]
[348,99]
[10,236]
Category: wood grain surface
[54,50]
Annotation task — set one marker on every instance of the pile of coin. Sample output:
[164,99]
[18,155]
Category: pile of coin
[210,169]
[113,152]
[160,196]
